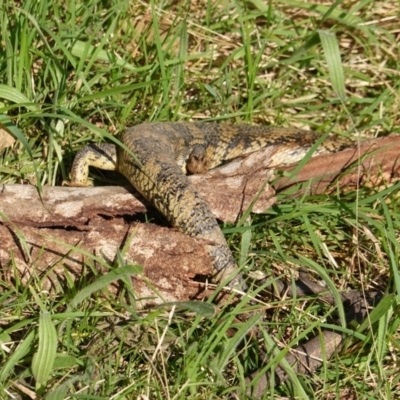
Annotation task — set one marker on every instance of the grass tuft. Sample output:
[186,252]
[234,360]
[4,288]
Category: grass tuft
[74,72]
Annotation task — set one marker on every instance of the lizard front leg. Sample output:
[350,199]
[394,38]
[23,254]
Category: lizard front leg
[103,156]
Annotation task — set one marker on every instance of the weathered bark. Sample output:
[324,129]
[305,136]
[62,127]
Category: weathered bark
[56,235]
[53,234]
[374,162]
[56,232]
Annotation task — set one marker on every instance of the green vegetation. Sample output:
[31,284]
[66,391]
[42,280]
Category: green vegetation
[79,71]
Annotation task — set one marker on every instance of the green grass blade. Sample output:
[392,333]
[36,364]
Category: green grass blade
[376,314]
[20,352]
[14,95]
[104,281]
[220,363]
[245,245]
[43,360]
[14,130]
[330,284]
[332,56]
[202,309]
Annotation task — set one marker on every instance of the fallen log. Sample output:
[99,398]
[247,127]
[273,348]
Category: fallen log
[51,234]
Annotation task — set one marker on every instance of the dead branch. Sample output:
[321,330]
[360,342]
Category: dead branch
[53,234]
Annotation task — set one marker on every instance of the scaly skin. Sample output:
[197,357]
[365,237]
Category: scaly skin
[165,152]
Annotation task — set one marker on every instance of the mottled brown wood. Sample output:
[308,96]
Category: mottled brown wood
[54,237]
[170,259]
[374,162]
[56,232]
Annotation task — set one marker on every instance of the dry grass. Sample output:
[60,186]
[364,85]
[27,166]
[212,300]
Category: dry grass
[74,73]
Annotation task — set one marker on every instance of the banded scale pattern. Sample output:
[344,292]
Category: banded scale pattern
[161,154]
